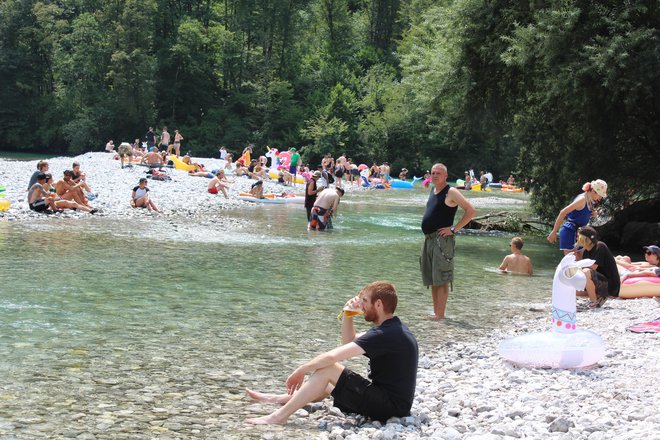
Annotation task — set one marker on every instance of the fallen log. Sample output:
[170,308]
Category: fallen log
[507,222]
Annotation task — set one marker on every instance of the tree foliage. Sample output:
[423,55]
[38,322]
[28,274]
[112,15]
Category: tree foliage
[555,91]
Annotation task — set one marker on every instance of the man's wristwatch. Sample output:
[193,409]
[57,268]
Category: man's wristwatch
[453,229]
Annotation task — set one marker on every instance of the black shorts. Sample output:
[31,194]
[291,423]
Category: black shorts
[355,394]
[600,282]
[39,206]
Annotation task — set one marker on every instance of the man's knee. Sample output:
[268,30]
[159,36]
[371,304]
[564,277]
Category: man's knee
[331,372]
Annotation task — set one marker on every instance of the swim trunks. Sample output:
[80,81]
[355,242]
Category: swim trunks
[38,206]
[355,394]
[319,218]
[213,190]
[436,261]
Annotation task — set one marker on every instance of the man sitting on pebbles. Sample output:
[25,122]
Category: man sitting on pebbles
[218,183]
[67,189]
[153,159]
[393,355]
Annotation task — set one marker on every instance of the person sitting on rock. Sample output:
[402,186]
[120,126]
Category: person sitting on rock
[39,199]
[393,356]
[603,276]
[67,189]
[63,203]
[516,262]
[42,168]
[140,196]
[219,183]
[78,177]
[153,159]
[257,189]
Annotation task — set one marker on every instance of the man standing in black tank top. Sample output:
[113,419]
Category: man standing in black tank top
[437,259]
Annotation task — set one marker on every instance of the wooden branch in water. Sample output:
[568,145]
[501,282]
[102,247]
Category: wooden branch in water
[506,221]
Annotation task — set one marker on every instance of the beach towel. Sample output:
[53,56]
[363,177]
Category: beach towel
[646,327]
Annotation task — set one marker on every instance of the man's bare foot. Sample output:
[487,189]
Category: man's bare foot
[267,398]
[266,420]
[436,318]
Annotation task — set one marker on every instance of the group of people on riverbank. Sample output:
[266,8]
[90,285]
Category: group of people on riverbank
[70,192]
[604,278]
[163,142]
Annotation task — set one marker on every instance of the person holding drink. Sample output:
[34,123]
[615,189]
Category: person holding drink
[392,352]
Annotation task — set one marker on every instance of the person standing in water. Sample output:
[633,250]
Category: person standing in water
[437,258]
[577,215]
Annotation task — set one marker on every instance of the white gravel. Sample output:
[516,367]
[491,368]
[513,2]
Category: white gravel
[467,391]
[184,195]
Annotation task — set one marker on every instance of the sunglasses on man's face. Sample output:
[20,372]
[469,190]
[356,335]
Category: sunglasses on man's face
[649,253]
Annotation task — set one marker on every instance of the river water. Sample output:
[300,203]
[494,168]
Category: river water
[150,328]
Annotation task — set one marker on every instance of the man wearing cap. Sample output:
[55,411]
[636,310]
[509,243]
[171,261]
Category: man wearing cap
[324,209]
[310,193]
[436,262]
[293,164]
[577,214]
[650,269]
[603,276]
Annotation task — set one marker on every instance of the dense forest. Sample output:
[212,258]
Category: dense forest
[558,92]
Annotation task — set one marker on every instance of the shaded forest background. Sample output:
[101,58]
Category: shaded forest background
[560,92]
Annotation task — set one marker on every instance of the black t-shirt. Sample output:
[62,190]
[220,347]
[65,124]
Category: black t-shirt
[393,354]
[437,214]
[150,136]
[606,266]
[310,199]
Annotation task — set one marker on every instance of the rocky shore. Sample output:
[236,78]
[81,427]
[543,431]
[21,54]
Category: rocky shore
[182,196]
[467,391]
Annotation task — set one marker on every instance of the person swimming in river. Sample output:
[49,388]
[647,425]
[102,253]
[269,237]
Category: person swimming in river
[516,262]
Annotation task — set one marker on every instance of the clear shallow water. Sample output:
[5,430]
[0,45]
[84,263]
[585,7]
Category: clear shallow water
[138,326]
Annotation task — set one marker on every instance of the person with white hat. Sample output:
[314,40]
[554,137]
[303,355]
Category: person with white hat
[577,215]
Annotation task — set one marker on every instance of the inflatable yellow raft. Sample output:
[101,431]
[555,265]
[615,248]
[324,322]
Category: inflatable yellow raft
[181,165]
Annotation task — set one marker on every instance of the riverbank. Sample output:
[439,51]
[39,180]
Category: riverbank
[467,391]
[184,195]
